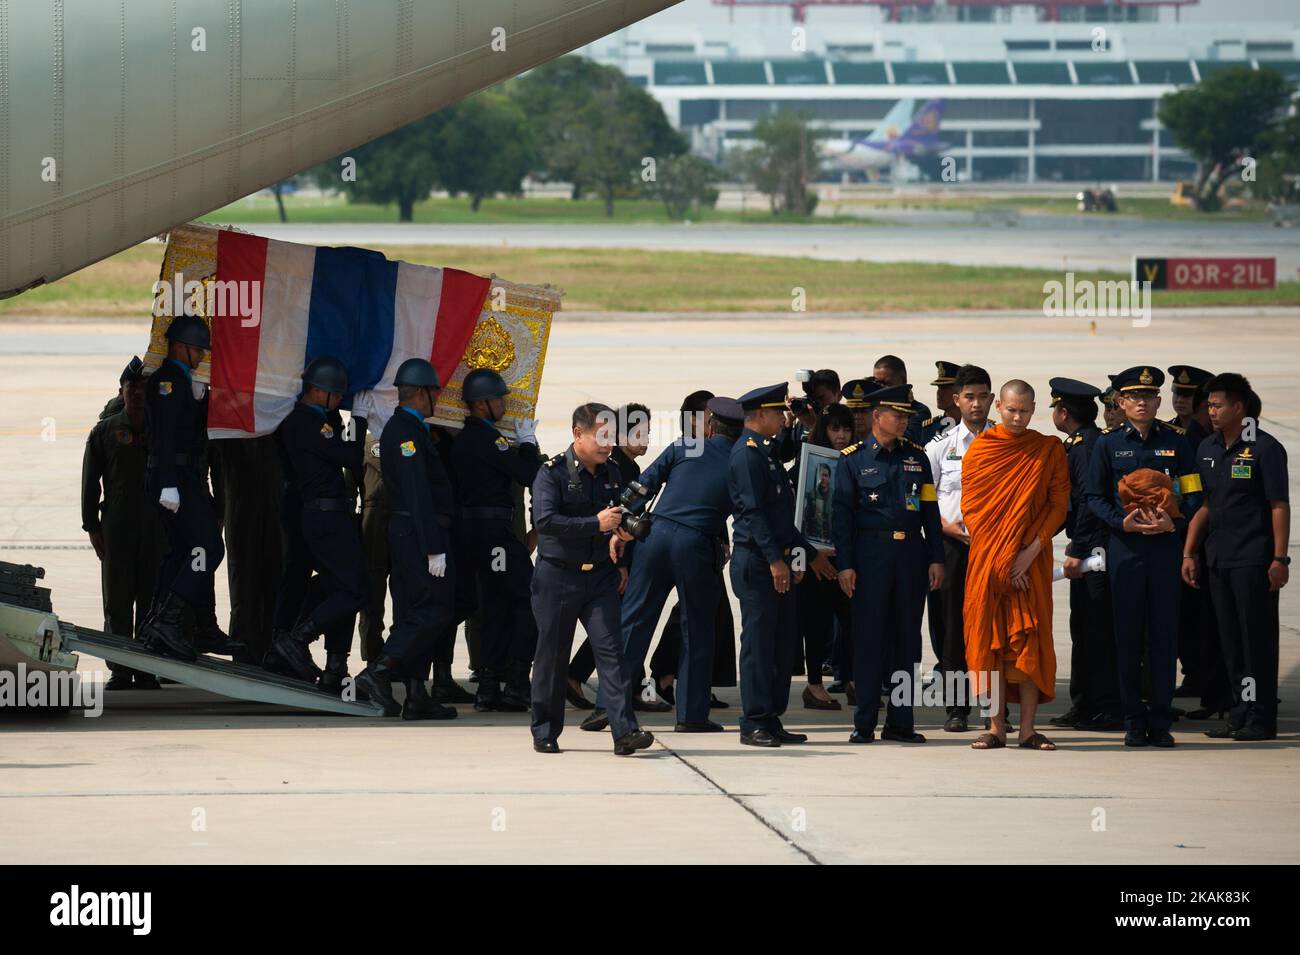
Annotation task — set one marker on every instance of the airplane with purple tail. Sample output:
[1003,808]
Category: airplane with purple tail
[900,136]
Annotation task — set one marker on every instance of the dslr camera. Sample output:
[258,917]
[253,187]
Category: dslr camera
[632,502]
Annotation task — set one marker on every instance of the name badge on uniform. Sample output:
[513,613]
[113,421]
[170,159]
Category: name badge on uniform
[408,449]
[913,500]
[952,454]
[1241,471]
[1124,454]
[501,443]
[164,387]
[1166,452]
[326,431]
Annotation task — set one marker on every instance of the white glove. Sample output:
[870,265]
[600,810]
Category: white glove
[198,389]
[526,432]
[438,564]
[170,498]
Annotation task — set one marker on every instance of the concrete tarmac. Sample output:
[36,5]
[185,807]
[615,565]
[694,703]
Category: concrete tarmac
[178,775]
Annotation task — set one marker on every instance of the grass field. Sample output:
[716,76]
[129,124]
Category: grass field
[632,280]
[311,209]
[1144,207]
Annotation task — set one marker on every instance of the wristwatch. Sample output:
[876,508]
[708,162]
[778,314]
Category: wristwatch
[1284,561]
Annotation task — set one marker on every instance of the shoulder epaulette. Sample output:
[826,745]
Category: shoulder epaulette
[919,447]
[1109,430]
[1076,439]
[852,447]
[929,421]
[1175,428]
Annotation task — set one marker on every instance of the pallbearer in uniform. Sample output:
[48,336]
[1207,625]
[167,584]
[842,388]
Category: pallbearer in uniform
[422,503]
[575,512]
[176,477]
[1144,551]
[317,448]
[684,552]
[1245,525]
[1094,673]
[122,522]
[889,549]
[488,467]
[768,558]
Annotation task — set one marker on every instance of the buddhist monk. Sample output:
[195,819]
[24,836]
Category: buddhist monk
[1015,492]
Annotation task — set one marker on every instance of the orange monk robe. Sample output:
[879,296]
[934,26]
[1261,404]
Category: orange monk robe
[1014,488]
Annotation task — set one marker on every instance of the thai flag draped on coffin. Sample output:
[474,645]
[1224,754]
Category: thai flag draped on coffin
[353,304]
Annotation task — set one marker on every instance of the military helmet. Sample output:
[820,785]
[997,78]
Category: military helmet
[327,374]
[189,330]
[483,384]
[417,372]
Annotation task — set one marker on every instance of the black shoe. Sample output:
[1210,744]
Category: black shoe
[1254,734]
[957,723]
[375,684]
[120,680]
[1206,713]
[473,676]
[487,697]
[850,695]
[210,638]
[446,689]
[167,633]
[576,698]
[668,692]
[760,738]
[785,736]
[146,681]
[647,699]
[421,706]
[1100,723]
[1069,718]
[545,746]
[272,662]
[811,702]
[294,648]
[717,704]
[335,672]
[839,686]
[517,694]
[629,743]
[595,722]
[708,726]
[1162,738]
[1186,690]
[902,736]
[1135,738]
[1226,731]
[857,736]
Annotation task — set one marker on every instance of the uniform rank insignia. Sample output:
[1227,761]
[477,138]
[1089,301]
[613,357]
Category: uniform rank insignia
[751,443]
[164,387]
[408,449]
[501,443]
[326,431]
[1166,452]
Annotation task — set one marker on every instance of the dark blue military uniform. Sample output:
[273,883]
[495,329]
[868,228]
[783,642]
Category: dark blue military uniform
[1241,482]
[177,428]
[422,504]
[487,467]
[883,500]
[763,532]
[575,581]
[316,447]
[923,425]
[684,550]
[1144,569]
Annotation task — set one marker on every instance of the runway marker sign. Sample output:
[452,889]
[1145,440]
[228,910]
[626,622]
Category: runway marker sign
[1220,273]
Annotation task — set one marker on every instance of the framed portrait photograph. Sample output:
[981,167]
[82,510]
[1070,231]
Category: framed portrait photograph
[812,509]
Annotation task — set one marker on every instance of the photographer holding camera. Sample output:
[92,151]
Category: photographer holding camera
[575,513]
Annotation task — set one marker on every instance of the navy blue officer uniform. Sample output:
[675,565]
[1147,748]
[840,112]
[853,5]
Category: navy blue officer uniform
[1188,380]
[1241,483]
[684,551]
[422,504]
[487,468]
[886,527]
[1144,569]
[177,423]
[764,532]
[316,449]
[1094,673]
[575,581]
[936,424]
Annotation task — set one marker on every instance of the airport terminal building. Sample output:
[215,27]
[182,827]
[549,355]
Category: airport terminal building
[1032,91]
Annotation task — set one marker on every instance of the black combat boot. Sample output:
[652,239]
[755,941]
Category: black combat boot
[446,689]
[375,684]
[210,638]
[517,696]
[487,698]
[420,706]
[122,679]
[295,649]
[335,672]
[272,661]
[168,632]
